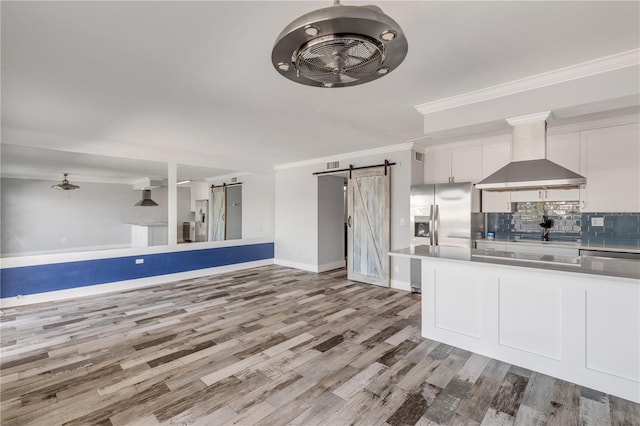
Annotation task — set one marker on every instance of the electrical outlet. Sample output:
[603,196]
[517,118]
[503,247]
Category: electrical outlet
[402,221]
[597,221]
[139,261]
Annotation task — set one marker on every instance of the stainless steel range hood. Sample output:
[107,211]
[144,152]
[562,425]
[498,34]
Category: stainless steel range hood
[529,167]
[146,199]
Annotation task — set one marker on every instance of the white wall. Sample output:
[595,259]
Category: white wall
[330,222]
[37,219]
[296,207]
[296,217]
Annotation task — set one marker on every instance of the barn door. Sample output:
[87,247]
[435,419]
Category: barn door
[368,202]
[217,216]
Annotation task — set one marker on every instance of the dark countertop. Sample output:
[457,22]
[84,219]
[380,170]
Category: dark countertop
[619,268]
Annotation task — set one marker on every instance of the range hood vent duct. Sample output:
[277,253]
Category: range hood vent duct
[529,168]
[146,199]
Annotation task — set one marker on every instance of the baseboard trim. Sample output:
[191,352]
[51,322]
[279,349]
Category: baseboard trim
[296,265]
[400,285]
[331,266]
[97,289]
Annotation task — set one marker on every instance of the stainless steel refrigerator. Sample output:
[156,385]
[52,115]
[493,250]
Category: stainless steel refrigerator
[446,214]
[202,220]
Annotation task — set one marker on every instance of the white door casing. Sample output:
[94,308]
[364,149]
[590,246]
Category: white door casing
[368,200]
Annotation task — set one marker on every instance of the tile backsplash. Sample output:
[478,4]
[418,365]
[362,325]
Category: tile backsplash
[617,228]
[569,224]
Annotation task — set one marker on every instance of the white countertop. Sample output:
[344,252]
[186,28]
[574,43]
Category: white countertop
[621,268]
[149,224]
[567,244]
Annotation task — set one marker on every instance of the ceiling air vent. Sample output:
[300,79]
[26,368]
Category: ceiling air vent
[418,156]
[333,165]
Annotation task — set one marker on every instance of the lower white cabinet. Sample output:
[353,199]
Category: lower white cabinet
[148,235]
[577,327]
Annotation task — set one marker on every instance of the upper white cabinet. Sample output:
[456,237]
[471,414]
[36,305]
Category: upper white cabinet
[444,165]
[495,156]
[199,191]
[610,161]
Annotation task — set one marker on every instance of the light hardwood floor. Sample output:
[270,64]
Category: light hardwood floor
[268,346]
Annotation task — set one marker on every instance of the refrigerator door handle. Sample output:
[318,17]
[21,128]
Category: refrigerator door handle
[431,224]
[436,222]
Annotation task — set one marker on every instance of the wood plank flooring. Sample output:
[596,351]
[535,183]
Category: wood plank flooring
[268,346]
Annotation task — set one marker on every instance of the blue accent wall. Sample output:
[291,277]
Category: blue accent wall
[60,276]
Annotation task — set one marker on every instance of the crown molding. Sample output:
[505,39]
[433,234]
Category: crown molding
[530,118]
[594,124]
[605,64]
[374,151]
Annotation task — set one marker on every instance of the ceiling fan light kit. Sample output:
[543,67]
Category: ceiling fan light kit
[339,46]
[65,185]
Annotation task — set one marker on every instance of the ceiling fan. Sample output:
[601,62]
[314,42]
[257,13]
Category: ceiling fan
[339,46]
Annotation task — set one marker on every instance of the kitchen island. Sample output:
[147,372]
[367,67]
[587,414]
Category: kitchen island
[148,234]
[571,317]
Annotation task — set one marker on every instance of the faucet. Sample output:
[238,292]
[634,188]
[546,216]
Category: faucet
[546,225]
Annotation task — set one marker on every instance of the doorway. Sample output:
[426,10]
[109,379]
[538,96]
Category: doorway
[226,213]
[354,223]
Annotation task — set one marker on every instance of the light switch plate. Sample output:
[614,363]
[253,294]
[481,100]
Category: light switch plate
[597,221]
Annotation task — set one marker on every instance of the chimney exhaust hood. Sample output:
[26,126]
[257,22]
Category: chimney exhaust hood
[146,199]
[529,168]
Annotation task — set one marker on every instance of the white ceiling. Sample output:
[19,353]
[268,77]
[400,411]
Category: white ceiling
[192,82]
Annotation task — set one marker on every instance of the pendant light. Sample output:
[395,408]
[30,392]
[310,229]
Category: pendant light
[339,46]
[65,185]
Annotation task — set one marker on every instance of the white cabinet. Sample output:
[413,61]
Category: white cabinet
[495,156]
[199,191]
[546,195]
[610,161]
[437,166]
[580,328]
[466,164]
[453,165]
[145,235]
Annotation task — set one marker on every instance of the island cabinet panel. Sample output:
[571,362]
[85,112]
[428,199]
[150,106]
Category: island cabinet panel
[530,315]
[613,337]
[456,289]
[578,327]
